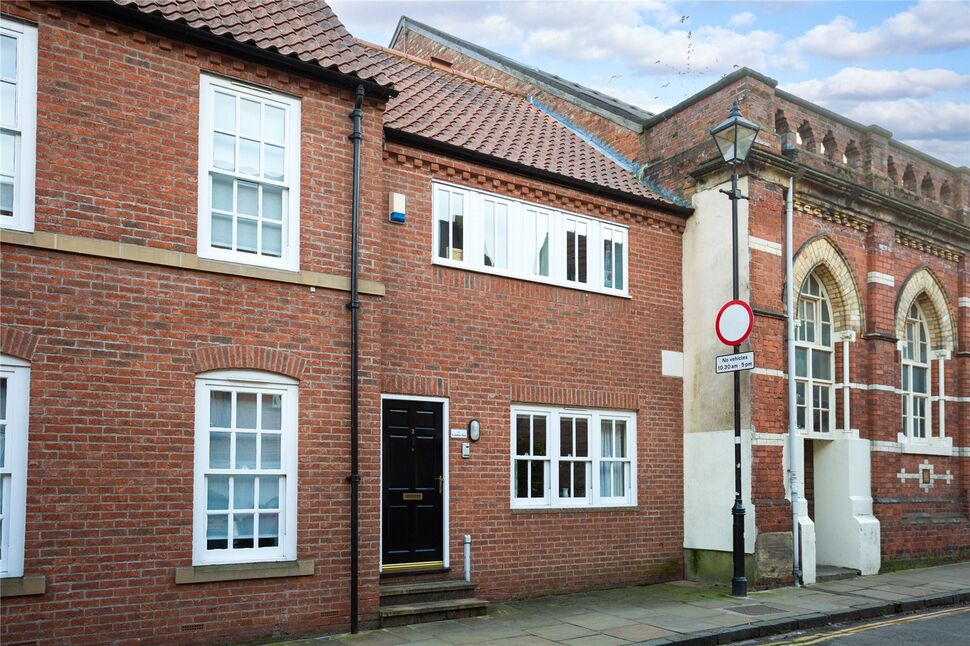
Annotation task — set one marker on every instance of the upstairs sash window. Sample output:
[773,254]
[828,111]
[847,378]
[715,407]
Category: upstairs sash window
[814,359]
[249,175]
[18,108]
[916,376]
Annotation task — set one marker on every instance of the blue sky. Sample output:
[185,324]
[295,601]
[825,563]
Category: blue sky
[902,65]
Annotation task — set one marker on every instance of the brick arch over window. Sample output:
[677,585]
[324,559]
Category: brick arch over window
[821,256]
[248,357]
[922,287]
[17,343]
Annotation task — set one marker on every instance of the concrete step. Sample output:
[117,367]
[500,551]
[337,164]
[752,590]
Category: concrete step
[393,594]
[416,613]
[834,573]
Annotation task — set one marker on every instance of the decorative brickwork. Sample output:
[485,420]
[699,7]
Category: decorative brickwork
[18,343]
[923,287]
[247,357]
[821,256]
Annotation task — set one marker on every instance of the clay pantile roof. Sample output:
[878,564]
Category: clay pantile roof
[306,29]
[457,110]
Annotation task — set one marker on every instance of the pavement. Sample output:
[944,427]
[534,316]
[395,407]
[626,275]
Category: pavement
[681,612]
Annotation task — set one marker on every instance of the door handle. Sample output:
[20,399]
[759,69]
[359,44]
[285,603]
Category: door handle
[440,480]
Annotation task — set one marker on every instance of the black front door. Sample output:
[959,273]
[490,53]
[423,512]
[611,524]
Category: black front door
[413,481]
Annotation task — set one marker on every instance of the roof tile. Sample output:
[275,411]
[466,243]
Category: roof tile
[306,29]
[456,110]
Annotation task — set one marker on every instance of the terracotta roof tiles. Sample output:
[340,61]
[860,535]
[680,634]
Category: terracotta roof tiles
[453,109]
[306,29]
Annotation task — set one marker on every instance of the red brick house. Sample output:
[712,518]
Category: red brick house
[230,382]
[881,239]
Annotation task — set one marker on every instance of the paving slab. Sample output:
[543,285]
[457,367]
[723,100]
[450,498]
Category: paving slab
[671,612]
[596,640]
[637,632]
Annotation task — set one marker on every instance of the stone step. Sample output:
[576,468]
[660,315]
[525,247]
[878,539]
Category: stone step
[416,613]
[418,592]
[825,573]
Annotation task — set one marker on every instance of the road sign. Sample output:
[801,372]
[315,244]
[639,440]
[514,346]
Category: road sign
[734,322]
[734,362]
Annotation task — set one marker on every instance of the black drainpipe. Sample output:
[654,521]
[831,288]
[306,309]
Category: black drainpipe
[353,306]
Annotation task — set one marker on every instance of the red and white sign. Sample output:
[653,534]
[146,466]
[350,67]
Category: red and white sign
[734,322]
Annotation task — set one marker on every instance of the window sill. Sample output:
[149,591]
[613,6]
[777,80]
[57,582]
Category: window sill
[242,571]
[572,510]
[541,280]
[933,446]
[23,586]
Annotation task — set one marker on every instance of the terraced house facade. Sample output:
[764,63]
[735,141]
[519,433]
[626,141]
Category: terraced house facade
[291,321]
[182,380]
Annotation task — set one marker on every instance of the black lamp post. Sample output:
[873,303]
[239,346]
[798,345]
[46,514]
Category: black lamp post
[734,137]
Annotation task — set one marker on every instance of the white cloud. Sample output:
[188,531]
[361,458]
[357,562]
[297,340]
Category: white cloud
[867,85]
[956,153]
[743,19]
[912,118]
[650,50]
[926,27]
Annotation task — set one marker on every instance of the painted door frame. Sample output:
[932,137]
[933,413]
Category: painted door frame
[446,488]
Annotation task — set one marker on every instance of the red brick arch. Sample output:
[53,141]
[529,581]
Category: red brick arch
[18,343]
[248,357]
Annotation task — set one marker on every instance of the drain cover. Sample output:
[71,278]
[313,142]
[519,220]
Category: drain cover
[755,609]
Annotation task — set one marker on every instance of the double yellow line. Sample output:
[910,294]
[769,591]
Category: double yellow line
[821,637]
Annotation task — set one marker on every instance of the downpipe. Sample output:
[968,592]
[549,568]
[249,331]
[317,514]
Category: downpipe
[790,347]
[354,306]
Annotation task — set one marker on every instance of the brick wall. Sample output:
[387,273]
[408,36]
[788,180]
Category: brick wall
[116,348]
[489,341]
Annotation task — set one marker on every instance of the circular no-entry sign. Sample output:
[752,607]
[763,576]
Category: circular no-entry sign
[734,322]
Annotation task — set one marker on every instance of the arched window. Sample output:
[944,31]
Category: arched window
[814,359]
[916,376]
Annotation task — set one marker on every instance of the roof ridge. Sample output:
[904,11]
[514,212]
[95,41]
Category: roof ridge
[426,62]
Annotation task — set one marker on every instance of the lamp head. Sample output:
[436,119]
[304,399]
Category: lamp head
[735,136]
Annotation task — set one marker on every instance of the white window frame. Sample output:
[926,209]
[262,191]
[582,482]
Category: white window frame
[14,471]
[259,382]
[909,363]
[289,259]
[523,229]
[810,382]
[25,127]
[593,498]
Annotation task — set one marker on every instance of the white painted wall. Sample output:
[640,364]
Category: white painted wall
[847,532]
[709,491]
[709,398]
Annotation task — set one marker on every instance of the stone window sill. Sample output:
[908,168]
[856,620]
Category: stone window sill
[23,586]
[242,571]
[933,446]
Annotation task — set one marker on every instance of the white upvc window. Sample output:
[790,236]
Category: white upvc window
[245,468]
[249,174]
[564,457]
[917,412]
[613,257]
[488,233]
[18,123]
[14,393]
[814,360]
[449,208]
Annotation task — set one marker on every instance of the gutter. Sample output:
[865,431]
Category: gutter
[400,136]
[226,45]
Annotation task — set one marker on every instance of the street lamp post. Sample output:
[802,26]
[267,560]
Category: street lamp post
[734,138]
